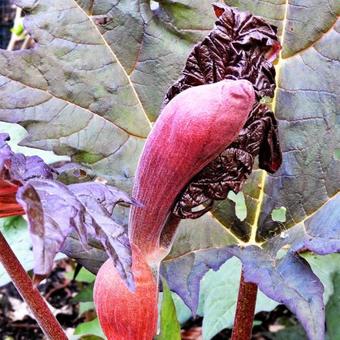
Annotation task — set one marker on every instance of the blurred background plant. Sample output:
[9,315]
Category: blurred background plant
[7,16]
[12,33]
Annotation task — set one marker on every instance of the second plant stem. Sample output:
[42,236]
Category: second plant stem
[46,320]
[244,317]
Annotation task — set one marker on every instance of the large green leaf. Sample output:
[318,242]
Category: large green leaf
[93,95]
[72,93]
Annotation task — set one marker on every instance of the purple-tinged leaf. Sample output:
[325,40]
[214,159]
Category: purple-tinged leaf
[106,195]
[18,168]
[288,280]
[91,258]
[319,233]
[24,168]
[55,210]
[323,228]
[15,170]
[184,274]
[99,201]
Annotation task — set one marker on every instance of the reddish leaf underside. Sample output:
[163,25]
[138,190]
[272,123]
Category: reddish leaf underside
[8,203]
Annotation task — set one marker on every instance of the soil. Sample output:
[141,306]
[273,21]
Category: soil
[57,290]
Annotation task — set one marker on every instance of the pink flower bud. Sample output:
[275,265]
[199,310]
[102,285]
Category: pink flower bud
[191,131]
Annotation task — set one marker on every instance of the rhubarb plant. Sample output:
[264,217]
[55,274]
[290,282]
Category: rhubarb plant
[98,77]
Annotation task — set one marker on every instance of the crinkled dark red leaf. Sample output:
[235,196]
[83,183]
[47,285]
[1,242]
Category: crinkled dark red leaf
[242,46]
[232,167]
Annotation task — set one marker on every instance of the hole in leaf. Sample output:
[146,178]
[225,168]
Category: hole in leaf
[7,15]
[279,214]
[240,204]
[12,31]
[154,5]
[337,154]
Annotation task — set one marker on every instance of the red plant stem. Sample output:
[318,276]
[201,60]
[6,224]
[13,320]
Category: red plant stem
[46,320]
[244,317]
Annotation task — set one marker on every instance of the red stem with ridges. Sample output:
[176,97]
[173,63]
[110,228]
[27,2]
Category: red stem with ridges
[244,317]
[46,320]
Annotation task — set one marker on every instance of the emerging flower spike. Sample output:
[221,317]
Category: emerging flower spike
[191,131]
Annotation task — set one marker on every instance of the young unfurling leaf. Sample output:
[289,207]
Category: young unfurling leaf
[54,210]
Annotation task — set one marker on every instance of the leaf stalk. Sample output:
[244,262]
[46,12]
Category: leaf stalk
[244,317]
[46,320]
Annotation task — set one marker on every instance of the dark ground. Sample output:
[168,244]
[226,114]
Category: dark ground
[15,323]
[57,290]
